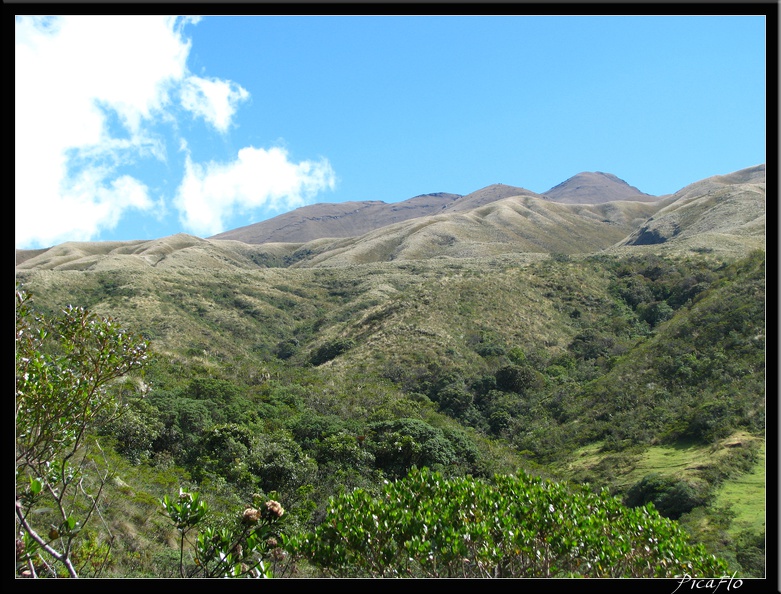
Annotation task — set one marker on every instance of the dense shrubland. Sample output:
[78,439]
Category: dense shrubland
[333,387]
[425,525]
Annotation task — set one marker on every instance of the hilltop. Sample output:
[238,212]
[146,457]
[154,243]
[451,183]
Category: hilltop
[722,213]
[350,219]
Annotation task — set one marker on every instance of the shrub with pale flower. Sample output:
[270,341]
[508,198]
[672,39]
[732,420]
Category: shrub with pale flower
[274,508]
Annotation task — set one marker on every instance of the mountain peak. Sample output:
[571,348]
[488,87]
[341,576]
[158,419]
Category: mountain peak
[595,187]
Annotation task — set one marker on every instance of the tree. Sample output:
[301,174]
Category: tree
[671,497]
[516,378]
[400,444]
[66,367]
[511,526]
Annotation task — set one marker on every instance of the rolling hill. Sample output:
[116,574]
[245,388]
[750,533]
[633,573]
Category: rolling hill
[350,219]
[618,343]
[345,219]
[719,213]
[720,208]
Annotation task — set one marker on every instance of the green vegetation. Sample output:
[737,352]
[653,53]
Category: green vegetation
[637,380]
[427,526]
[238,550]
[746,496]
[64,371]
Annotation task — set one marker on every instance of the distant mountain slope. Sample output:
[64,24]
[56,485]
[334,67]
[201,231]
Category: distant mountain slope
[345,219]
[488,195]
[721,213]
[595,188]
[180,251]
[519,224]
[352,219]
[716,209]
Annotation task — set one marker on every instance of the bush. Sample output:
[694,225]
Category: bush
[136,430]
[711,421]
[516,378]
[454,400]
[66,367]
[428,526]
[286,349]
[655,313]
[671,497]
[399,445]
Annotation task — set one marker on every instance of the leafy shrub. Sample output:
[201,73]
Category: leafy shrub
[224,451]
[399,445]
[309,428]
[516,378]
[751,553]
[517,355]
[671,497]
[711,421]
[66,371]
[344,449]
[634,290]
[426,525]
[454,399]
[243,548]
[136,430]
[487,350]
[655,313]
[279,464]
[286,348]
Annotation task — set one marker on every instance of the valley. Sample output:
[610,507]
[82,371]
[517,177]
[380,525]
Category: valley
[619,344]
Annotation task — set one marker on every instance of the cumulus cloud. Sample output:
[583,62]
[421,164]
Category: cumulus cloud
[71,75]
[214,100]
[89,93]
[259,178]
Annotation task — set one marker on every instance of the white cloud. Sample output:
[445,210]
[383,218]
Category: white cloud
[214,100]
[71,75]
[258,178]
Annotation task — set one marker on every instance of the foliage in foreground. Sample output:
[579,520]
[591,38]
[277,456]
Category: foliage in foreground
[615,369]
[241,549]
[512,526]
[65,368]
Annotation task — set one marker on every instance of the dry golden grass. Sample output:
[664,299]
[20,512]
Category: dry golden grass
[720,214]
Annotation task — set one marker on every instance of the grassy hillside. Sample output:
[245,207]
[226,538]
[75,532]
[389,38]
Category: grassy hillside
[620,344]
[642,373]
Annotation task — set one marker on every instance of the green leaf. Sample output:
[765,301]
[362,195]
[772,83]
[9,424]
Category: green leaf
[35,486]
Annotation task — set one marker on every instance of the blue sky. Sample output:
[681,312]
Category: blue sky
[218,122]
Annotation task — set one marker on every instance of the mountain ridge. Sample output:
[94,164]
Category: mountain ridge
[595,188]
[720,213]
[336,219]
[731,204]
[353,218]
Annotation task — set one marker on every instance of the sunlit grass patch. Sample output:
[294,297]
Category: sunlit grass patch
[746,496]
